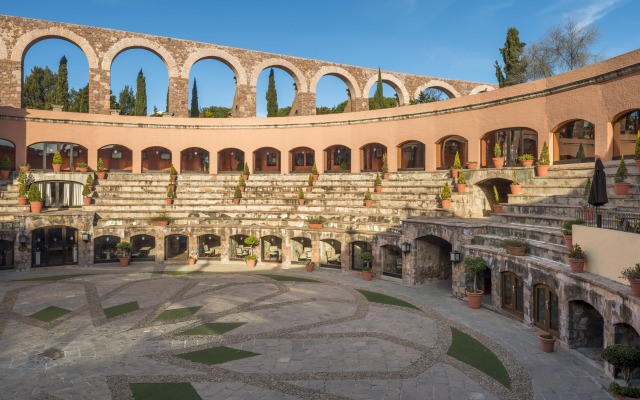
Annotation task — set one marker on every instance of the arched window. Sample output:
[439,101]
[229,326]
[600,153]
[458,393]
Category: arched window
[447,148]
[266,159]
[61,194]
[411,156]
[357,248]
[143,248]
[104,249]
[238,250]
[230,160]
[301,159]
[116,157]
[8,149]
[6,254]
[300,250]
[575,142]
[54,245]
[156,159]
[391,261]
[209,246]
[513,143]
[330,253]
[271,249]
[625,133]
[338,159]
[40,155]
[176,247]
[371,156]
[194,159]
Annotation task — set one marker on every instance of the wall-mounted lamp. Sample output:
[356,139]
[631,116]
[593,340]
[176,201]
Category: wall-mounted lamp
[406,247]
[22,239]
[455,256]
[85,237]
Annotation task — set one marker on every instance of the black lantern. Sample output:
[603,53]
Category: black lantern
[22,239]
[406,247]
[455,256]
[85,237]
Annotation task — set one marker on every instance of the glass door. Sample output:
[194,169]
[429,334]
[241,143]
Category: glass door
[512,293]
[546,309]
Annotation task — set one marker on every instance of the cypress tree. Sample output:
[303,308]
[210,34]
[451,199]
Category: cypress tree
[62,87]
[167,107]
[581,154]
[195,111]
[515,67]
[127,101]
[141,95]
[272,96]
[378,98]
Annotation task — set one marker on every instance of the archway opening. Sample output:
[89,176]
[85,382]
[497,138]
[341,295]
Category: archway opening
[330,253]
[238,250]
[176,247]
[411,156]
[230,160]
[447,148]
[40,155]
[266,160]
[432,259]
[586,329]
[503,187]
[625,132]
[371,156]
[513,142]
[143,248]
[215,88]
[286,90]
[194,160]
[6,254]
[104,249]
[54,246]
[626,334]
[271,249]
[7,148]
[390,94]
[116,158]
[156,159]
[301,159]
[357,248]
[433,94]
[391,261]
[209,246]
[338,159]
[300,250]
[574,142]
[333,95]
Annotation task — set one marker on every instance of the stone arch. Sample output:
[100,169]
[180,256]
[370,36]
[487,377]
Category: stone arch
[296,74]
[395,83]
[219,55]
[481,88]
[140,43]
[338,72]
[3,50]
[445,87]
[26,41]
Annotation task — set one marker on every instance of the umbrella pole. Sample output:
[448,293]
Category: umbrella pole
[598,219]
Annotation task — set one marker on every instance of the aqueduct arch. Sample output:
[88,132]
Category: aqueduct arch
[218,55]
[3,50]
[444,87]
[395,83]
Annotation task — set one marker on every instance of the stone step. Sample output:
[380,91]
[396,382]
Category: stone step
[542,234]
[553,190]
[557,210]
[531,220]
[522,198]
[547,251]
[490,252]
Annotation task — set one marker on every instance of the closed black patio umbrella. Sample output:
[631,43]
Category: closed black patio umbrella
[598,193]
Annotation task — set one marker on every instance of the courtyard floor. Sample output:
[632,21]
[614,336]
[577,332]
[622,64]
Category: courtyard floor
[235,333]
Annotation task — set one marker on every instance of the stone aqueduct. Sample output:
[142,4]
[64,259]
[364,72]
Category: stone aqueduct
[101,46]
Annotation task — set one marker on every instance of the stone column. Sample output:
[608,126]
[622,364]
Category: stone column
[99,91]
[10,83]
[224,246]
[303,104]
[286,249]
[393,155]
[244,102]
[136,161]
[159,238]
[360,104]
[178,96]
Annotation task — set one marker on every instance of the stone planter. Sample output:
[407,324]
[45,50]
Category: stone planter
[236,201]
[309,189]
[515,189]
[446,204]
[124,262]
[568,241]
[547,344]
[454,173]
[301,202]
[367,275]
[86,200]
[251,263]
[527,163]
[472,165]
[169,201]
[635,287]
[621,188]
[516,251]
[462,187]
[25,168]
[474,299]
[160,223]
[101,174]
[22,201]
[541,170]
[315,226]
[497,208]
[498,162]
[36,207]
[378,189]
[192,261]
[367,203]
[576,264]
[57,167]
[242,188]
[315,177]
[386,174]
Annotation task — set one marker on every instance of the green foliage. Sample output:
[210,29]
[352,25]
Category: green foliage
[141,95]
[581,154]
[39,89]
[385,164]
[272,96]
[456,162]
[245,171]
[462,180]
[125,248]
[637,153]
[310,180]
[380,298]
[567,226]
[474,266]
[162,217]
[22,191]
[172,170]
[514,178]
[497,151]
[631,272]
[514,242]
[127,101]
[624,391]
[195,111]
[22,178]
[345,166]
[5,163]
[170,193]
[100,165]
[90,180]
[177,313]
[515,65]
[237,194]
[378,97]
[446,192]
[587,190]
[62,85]
[544,155]
[251,241]
[378,181]
[334,110]
[367,194]
[625,358]
[57,158]
[577,252]
[428,95]
[300,194]
[113,103]
[526,157]
[34,193]
[389,102]
[86,192]
[283,112]
[241,181]
[215,112]
[112,312]
[79,100]
[314,169]
[496,195]
[82,165]
[317,220]
[366,257]
[621,173]
[50,314]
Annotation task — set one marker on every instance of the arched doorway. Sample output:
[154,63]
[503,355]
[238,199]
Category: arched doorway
[357,248]
[238,250]
[230,160]
[331,253]
[371,156]
[176,247]
[40,155]
[104,249]
[156,159]
[432,259]
[411,156]
[271,249]
[143,248]
[116,158]
[7,148]
[447,148]
[209,246]
[626,334]
[586,326]
[54,245]
[266,160]
[301,159]
[194,159]
[338,159]
[546,314]
[503,187]
[300,250]
[391,261]
[625,133]
[513,143]
[6,254]
[574,142]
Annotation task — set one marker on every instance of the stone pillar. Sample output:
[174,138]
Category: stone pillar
[360,104]
[213,161]
[136,161]
[244,102]
[286,249]
[179,96]
[10,83]
[92,157]
[85,251]
[356,158]
[303,104]
[99,91]
[224,246]
[393,157]
[159,237]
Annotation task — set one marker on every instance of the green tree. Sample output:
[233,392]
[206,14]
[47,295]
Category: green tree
[215,112]
[39,88]
[272,96]
[428,96]
[515,64]
[388,102]
[127,101]
[113,103]
[581,154]
[284,112]
[62,86]
[79,100]
[333,110]
[141,95]
[378,97]
[195,110]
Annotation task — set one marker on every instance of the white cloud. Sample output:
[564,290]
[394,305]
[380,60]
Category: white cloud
[594,11]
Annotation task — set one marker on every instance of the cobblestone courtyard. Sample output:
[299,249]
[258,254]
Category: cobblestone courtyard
[305,340]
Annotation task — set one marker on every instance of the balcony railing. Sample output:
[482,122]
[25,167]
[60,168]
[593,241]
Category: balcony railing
[607,219]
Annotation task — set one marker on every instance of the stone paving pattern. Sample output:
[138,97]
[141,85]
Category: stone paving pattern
[316,340]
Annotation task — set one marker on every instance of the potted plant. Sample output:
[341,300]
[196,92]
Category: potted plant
[316,222]
[456,167]
[83,167]
[366,258]
[498,160]
[169,196]
[385,167]
[23,196]
[5,167]
[314,171]
[576,258]
[245,172]
[526,160]
[56,162]
[516,187]
[241,183]
[445,196]
[124,250]
[310,183]
[237,195]
[192,260]
[300,197]
[35,198]
[378,183]
[515,246]
[25,166]
[161,219]
[86,195]
[173,173]
[472,164]
[474,266]
[462,182]
[100,169]
[624,358]
[567,231]
[172,184]
[542,166]
[633,275]
[636,156]
[588,213]
[620,186]
[547,341]
[367,198]
[310,265]
[90,181]
[497,208]
[251,241]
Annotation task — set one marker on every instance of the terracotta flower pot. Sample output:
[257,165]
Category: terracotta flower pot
[25,168]
[309,267]
[36,207]
[462,187]
[57,167]
[242,188]
[527,163]
[245,177]
[5,174]
[236,201]
[474,299]
[124,262]
[635,287]
[160,223]
[378,189]
[621,188]
[576,264]
[446,204]
[22,201]
[516,251]
[192,261]
[455,172]
[86,200]
[174,177]
[101,175]
[515,189]
[251,263]
[309,188]
[367,203]
[301,202]
[386,174]
[568,241]
[83,169]
[172,187]
[472,165]
[547,344]
[541,170]
[367,275]
[315,177]
[498,162]
[169,201]
[497,208]
[315,226]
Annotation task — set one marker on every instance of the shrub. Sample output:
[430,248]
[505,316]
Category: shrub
[317,220]
[345,166]
[497,151]
[587,190]
[245,170]
[300,194]
[34,194]
[367,194]
[577,252]
[310,180]
[251,241]
[90,179]
[637,153]
[5,163]
[514,178]
[385,165]
[170,194]
[86,192]
[22,191]
[456,162]
[239,167]
[366,257]
[241,181]
[250,257]
[621,173]
[526,157]
[631,272]
[314,169]
[83,165]
[100,165]
[237,194]
[162,217]
[625,391]
[378,181]
[514,242]
[544,155]
[57,158]
[22,178]
[547,336]
[580,154]
[625,358]
[567,226]
[125,248]
[172,170]
[25,164]
[446,192]
[462,180]
[474,265]
[496,196]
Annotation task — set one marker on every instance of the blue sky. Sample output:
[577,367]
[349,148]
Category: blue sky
[456,39]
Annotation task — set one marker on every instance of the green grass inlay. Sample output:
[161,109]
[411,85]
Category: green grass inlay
[177,313]
[52,278]
[384,299]
[50,314]
[164,391]
[284,278]
[470,351]
[121,309]
[216,355]
[213,328]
